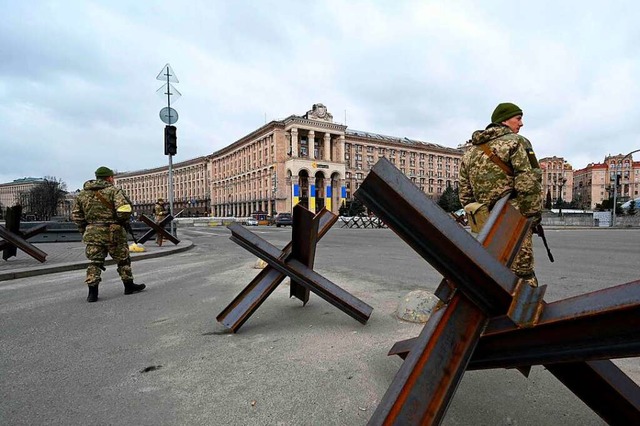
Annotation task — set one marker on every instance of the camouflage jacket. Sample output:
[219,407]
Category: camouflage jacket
[159,211]
[481,180]
[95,220]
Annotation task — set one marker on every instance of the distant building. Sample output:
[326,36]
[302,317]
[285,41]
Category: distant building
[628,184]
[595,182]
[14,193]
[191,187]
[589,185]
[557,179]
[307,159]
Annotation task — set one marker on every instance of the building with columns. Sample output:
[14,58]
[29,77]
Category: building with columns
[302,159]
[557,179]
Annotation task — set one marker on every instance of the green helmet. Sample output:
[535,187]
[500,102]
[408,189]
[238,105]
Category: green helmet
[103,172]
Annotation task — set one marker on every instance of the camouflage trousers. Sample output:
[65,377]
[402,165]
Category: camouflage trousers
[523,264]
[97,253]
[159,237]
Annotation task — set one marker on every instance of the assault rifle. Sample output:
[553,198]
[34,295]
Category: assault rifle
[538,229]
[127,227]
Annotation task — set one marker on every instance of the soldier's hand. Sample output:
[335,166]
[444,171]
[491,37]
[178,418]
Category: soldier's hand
[537,220]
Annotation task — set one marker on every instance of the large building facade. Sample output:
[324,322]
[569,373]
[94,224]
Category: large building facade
[13,193]
[557,179]
[191,180]
[595,183]
[303,159]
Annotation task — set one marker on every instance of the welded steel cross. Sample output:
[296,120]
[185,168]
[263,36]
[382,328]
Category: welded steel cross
[491,319]
[157,228]
[295,261]
[14,239]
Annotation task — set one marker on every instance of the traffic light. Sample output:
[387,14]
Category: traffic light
[618,177]
[170,140]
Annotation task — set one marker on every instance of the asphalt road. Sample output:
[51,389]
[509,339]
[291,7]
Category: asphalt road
[160,357]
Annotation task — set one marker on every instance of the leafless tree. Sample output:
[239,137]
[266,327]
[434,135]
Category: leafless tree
[43,199]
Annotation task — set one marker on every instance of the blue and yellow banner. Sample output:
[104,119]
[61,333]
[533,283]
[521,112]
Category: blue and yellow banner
[343,195]
[312,198]
[327,198]
[296,194]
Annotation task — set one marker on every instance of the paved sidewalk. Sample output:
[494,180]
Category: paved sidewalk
[70,256]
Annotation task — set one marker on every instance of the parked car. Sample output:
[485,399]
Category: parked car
[283,219]
[251,221]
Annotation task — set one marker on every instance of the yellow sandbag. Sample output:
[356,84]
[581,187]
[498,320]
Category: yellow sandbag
[136,248]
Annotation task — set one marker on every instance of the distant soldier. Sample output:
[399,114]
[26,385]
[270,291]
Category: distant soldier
[502,162]
[100,211]
[160,213]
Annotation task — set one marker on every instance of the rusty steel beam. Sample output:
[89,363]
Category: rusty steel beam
[424,385]
[33,231]
[301,273]
[603,324]
[19,242]
[157,228]
[304,240]
[259,289]
[437,238]
[421,392]
[603,387]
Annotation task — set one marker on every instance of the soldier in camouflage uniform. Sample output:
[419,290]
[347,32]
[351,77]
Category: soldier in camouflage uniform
[160,213]
[100,210]
[484,181]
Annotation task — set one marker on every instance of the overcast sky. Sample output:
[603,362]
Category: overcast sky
[78,78]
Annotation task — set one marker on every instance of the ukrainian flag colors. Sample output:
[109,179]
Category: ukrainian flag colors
[312,198]
[296,194]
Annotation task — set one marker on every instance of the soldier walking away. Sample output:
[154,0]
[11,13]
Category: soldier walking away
[160,213]
[502,162]
[101,211]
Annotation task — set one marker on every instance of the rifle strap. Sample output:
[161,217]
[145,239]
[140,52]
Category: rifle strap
[497,160]
[107,204]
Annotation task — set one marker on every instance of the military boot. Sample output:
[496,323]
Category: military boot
[130,287]
[93,294]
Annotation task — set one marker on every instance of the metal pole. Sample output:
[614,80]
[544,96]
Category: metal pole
[615,192]
[173,228]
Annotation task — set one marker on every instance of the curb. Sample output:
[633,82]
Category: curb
[72,266]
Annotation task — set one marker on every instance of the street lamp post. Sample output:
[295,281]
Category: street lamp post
[560,197]
[615,186]
[560,184]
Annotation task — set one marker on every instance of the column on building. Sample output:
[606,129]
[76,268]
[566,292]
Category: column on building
[294,142]
[340,150]
[311,144]
[327,147]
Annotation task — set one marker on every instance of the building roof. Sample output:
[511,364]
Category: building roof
[399,140]
[24,180]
